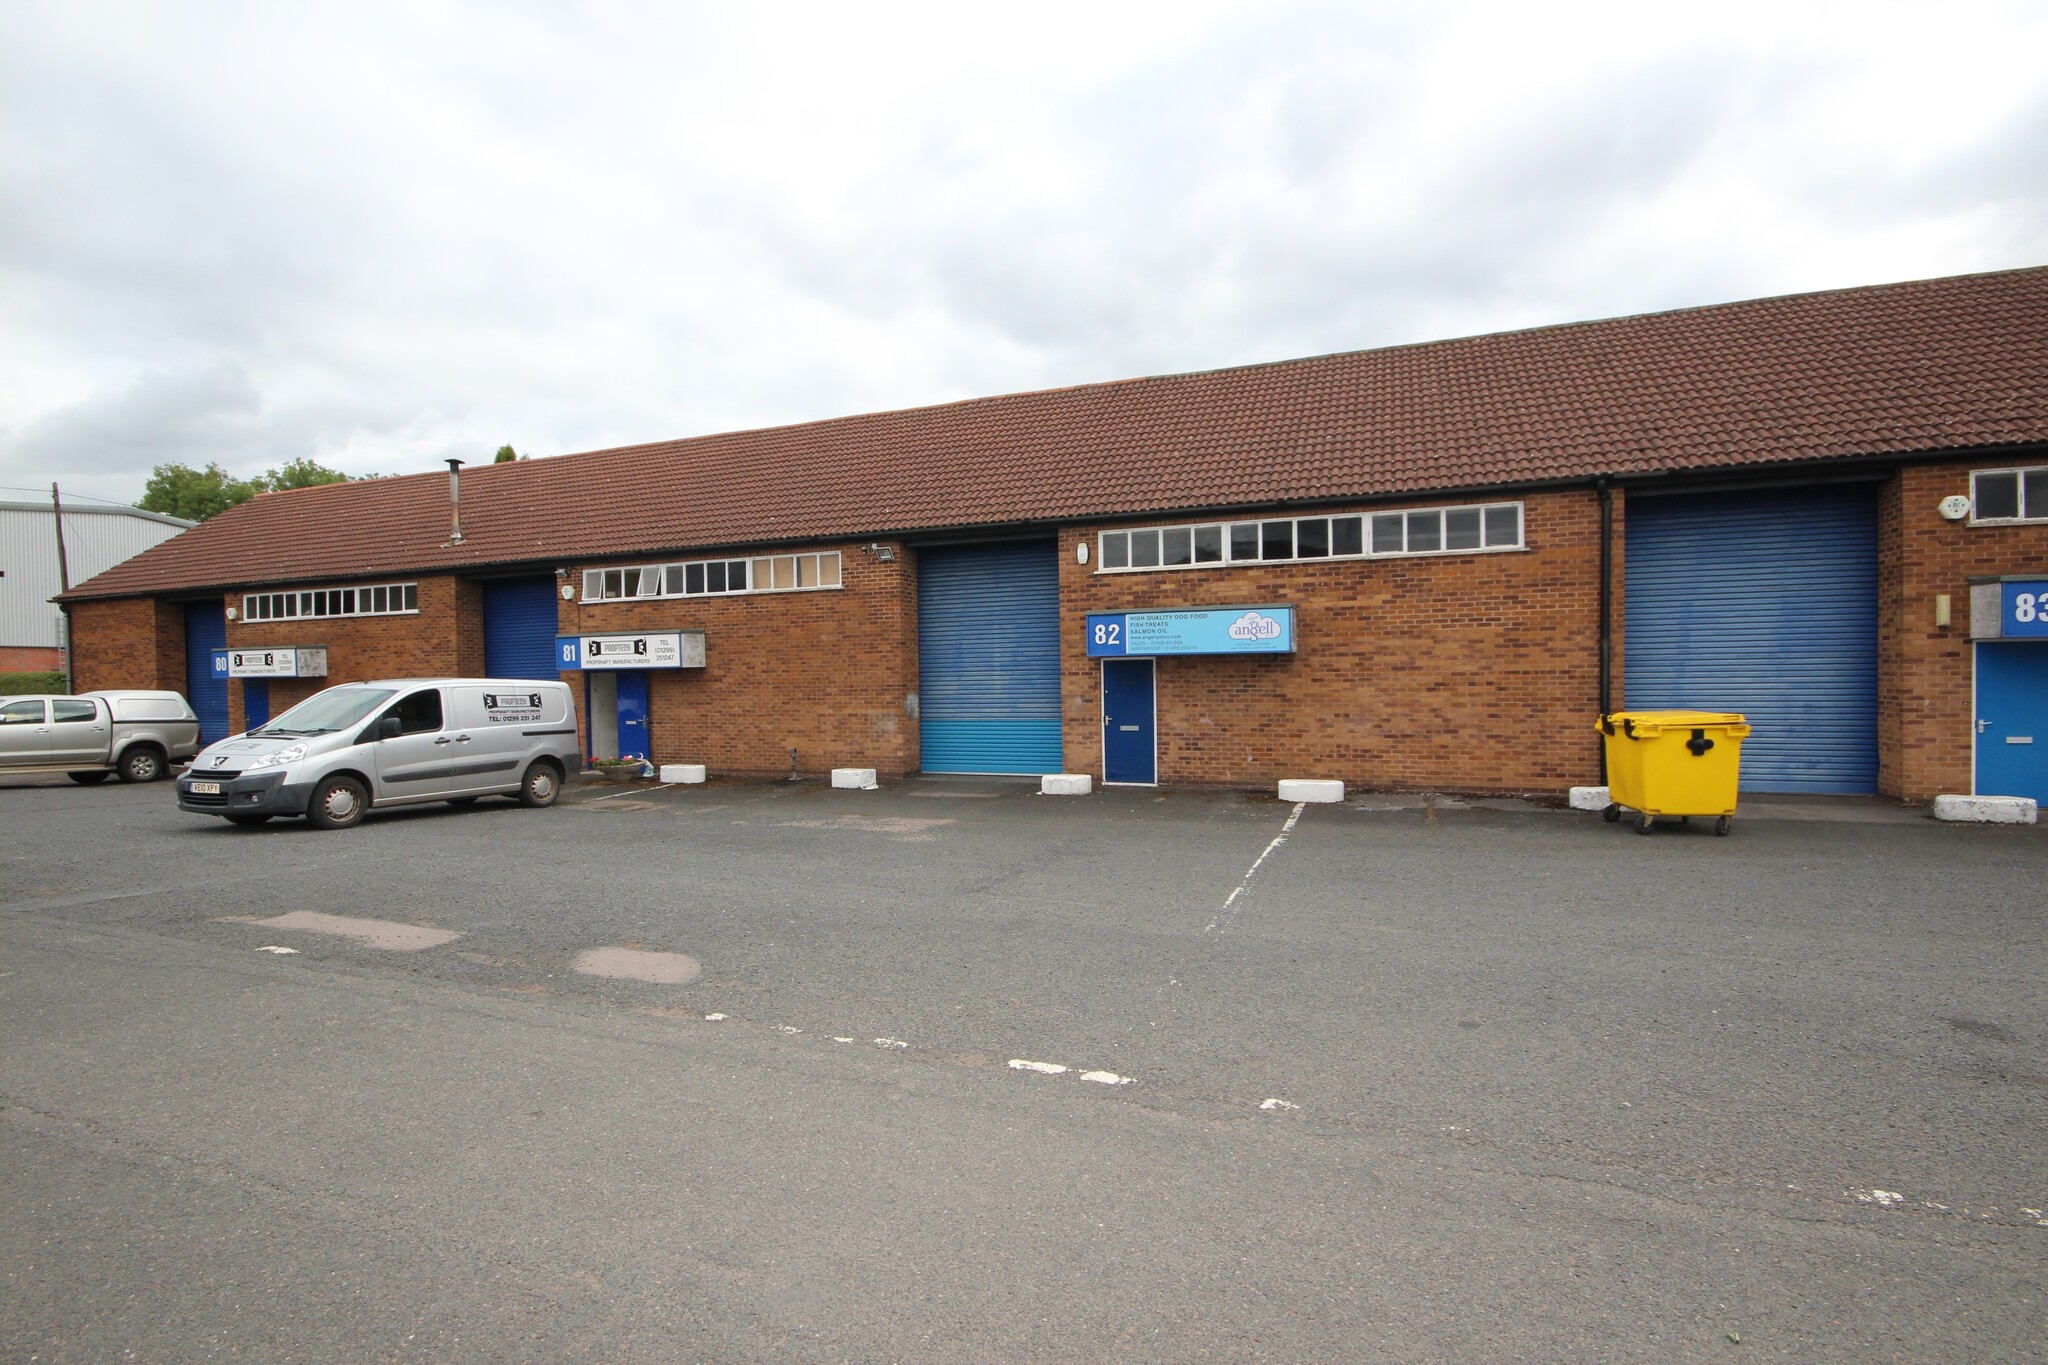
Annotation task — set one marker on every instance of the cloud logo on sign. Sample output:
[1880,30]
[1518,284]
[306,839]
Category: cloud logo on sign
[1253,626]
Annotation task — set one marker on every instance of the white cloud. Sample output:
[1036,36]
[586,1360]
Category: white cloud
[380,234]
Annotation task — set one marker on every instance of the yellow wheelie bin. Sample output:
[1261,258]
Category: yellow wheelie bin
[1682,763]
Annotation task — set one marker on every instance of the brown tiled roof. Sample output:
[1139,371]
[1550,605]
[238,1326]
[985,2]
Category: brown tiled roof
[1934,366]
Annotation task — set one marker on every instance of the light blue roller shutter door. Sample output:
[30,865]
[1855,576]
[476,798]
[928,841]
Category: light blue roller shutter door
[519,629]
[1764,603]
[989,658]
[206,629]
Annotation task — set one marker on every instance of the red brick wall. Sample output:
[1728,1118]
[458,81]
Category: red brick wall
[1474,672]
[128,642]
[1926,672]
[30,658]
[429,644]
[825,672]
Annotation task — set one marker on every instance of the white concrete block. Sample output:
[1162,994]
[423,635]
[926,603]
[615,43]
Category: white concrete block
[1310,789]
[1590,798]
[682,772]
[854,779]
[1066,784]
[1988,810]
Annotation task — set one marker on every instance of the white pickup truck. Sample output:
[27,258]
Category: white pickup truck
[93,736]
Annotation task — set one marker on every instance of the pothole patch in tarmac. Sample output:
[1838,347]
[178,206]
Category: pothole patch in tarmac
[388,935]
[634,964]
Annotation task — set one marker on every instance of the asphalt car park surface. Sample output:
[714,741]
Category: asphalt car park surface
[1402,1078]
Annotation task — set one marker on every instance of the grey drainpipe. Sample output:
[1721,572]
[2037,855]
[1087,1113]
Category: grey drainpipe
[1606,609]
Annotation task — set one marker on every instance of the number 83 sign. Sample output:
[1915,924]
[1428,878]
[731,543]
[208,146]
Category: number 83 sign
[2026,608]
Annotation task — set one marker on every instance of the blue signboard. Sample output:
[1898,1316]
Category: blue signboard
[220,663]
[2025,610]
[1214,630]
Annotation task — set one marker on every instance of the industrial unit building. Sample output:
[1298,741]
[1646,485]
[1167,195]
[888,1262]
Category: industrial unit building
[1425,566]
[33,569]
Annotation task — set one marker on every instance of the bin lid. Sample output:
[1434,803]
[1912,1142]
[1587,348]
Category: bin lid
[1676,720]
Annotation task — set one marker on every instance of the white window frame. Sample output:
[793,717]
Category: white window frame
[2019,476]
[652,580]
[310,604]
[1371,525]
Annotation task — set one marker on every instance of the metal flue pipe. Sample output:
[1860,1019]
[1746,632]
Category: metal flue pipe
[455,501]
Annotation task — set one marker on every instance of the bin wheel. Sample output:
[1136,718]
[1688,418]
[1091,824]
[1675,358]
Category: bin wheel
[1644,823]
[1612,813]
[1721,825]
[1685,819]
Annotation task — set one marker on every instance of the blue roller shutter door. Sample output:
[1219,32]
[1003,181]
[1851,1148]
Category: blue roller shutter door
[989,658]
[206,630]
[519,629]
[1765,603]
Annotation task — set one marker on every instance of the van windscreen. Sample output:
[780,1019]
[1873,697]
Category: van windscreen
[325,712]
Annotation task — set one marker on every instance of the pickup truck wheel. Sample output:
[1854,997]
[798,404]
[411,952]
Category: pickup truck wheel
[541,785]
[338,803]
[89,779]
[141,764]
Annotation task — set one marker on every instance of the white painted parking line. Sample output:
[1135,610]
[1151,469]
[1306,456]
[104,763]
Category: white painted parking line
[1224,916]
[628,792]
[1042,1068]
[1108,1078]
[276,948]
[890,1042]
[1275,1106]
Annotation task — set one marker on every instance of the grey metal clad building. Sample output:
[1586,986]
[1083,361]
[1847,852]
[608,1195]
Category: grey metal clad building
[95,540]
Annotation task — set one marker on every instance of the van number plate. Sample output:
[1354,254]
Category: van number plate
[206,789]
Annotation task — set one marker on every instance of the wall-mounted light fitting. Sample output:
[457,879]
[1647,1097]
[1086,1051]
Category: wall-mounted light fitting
[233,613]
[1081,552]
[885,553]
[568,592]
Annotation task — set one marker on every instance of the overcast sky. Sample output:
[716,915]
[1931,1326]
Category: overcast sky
[380,235]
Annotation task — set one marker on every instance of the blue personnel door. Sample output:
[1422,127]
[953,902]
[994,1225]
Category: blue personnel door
[1129,736]
[519,629]
[255,702]
[2012,720]
[988,658]
[206,630]
[1762,602]
[634,738]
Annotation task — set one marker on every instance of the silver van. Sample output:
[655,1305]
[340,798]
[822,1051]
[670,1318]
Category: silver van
[349,749]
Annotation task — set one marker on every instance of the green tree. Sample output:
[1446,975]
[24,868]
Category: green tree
[300,473]
[178,490]
[506,455]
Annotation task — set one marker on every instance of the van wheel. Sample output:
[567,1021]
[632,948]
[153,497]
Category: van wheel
[141,764]
[89,779]
[338,803]
[541,785]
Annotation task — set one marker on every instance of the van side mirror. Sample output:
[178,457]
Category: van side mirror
[388,727]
